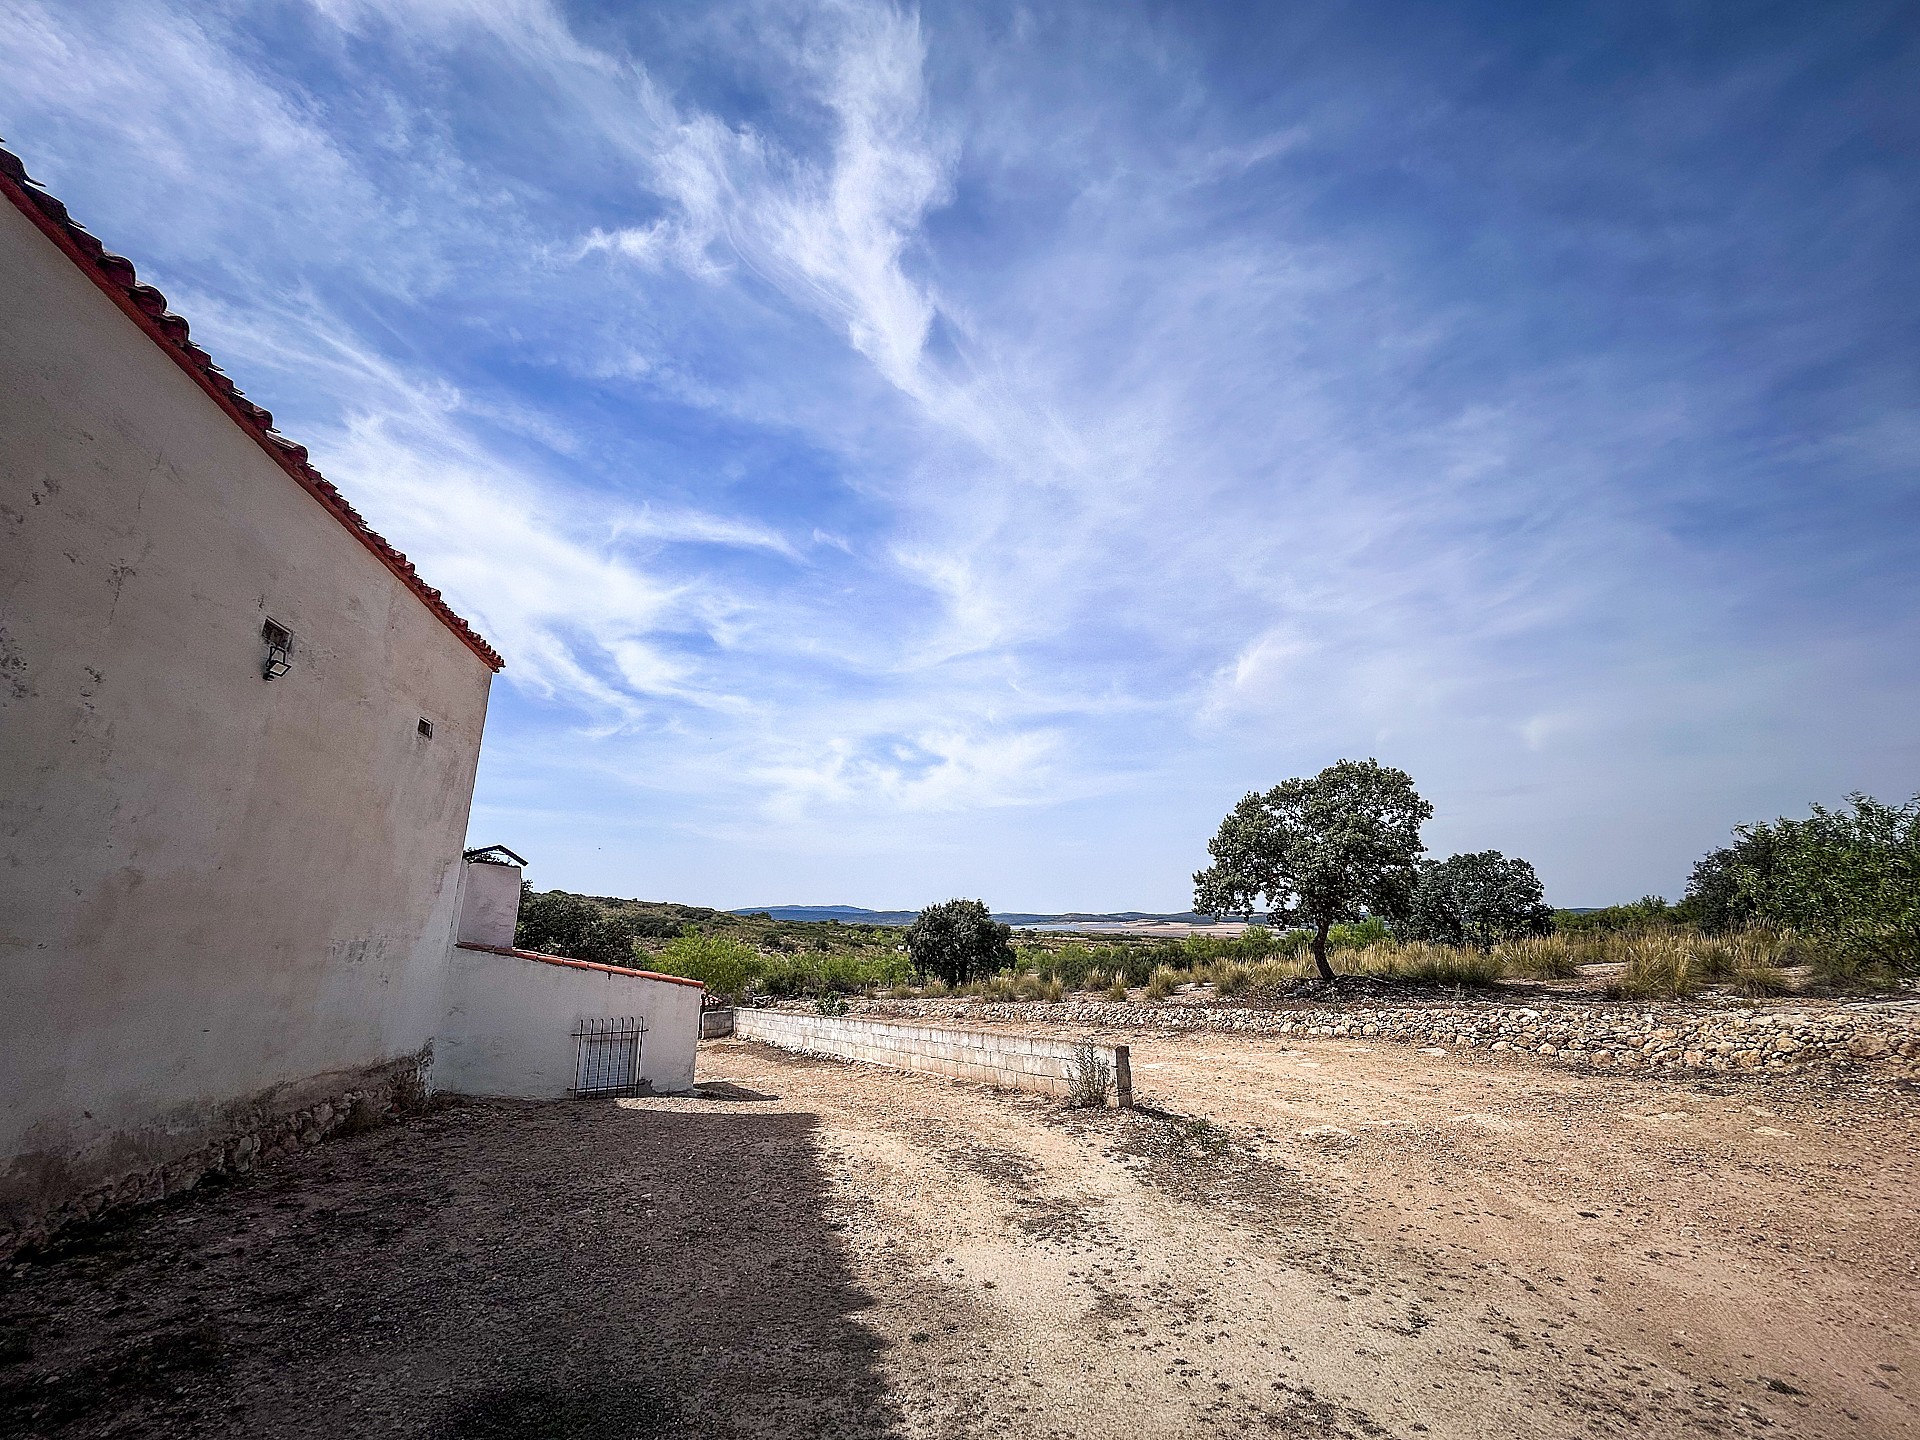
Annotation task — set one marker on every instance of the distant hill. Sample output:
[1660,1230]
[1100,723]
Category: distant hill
[854,915]
[846,914]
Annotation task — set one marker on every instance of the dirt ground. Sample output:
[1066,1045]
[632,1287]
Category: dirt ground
[1311,1238]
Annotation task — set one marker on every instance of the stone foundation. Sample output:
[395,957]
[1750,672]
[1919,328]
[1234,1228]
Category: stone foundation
[1660,1038]
[42,1193]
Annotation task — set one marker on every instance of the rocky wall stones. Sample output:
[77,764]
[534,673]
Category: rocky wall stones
[1770,1039]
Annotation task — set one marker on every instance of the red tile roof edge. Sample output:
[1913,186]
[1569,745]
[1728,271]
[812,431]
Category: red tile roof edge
[577,964]
[147,308]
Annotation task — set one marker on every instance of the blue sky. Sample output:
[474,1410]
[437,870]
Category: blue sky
[959,451]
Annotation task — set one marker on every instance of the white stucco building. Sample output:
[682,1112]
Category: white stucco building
[542,1026]
[238,736]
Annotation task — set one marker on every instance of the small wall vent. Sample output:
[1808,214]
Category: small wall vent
[426,727]
[279,650]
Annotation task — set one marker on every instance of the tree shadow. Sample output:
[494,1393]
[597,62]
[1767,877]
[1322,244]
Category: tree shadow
[496,1269]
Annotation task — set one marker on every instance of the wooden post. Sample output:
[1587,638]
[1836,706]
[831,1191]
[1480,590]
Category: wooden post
[1123,1077]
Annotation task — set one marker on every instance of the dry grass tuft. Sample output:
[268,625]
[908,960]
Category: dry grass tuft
[1164,981]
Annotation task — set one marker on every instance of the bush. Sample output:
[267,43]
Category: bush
[1117,991]
[1643,914]
[1089,1076]
[554,922]
[1849,880]
[1359,935]
[725,967]
[1478,900]
[957,940]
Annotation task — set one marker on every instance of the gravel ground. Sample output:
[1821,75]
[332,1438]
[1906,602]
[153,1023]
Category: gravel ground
[1315,1238]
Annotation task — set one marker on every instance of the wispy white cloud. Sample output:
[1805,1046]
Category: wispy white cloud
[846,424]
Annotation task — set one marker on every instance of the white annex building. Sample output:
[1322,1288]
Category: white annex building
[238,736]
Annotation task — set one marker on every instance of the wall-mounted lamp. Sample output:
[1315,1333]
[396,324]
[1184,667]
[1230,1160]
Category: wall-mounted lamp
[279,651]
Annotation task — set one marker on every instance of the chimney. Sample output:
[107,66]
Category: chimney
[490,897]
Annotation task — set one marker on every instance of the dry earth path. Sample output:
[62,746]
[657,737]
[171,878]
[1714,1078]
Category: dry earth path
[1311,1238]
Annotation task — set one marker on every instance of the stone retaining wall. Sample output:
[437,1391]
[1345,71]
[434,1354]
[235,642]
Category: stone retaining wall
[1014,1062]
[163,1162]
[1607,1036]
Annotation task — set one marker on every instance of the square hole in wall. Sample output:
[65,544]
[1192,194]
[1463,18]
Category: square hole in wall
[426,727]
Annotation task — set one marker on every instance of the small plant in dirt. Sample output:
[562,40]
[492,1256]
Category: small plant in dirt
[1196,1131]
[1117,992]
[830,1002]
[1089,1076]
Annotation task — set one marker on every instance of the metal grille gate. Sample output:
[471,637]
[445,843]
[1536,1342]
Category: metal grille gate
[607,1060]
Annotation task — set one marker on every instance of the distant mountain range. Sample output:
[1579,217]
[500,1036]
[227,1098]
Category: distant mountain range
[854,915]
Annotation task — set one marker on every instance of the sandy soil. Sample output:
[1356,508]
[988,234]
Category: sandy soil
[1310,1239]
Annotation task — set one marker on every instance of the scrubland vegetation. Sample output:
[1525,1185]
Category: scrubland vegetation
[1828,904]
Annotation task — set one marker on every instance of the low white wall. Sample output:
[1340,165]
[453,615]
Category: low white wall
[511,1015]
[1015,1062]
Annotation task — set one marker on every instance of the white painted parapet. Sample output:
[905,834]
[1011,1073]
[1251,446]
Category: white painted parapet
[490,897]
[1015,1062]
[514,1021]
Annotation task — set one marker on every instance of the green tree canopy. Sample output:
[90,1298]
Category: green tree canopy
[725,966]
[1333,848]
[1477,899]
[580,928]
[1849,876]
[957,940]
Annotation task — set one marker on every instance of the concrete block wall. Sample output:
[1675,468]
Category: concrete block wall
[1016,1062]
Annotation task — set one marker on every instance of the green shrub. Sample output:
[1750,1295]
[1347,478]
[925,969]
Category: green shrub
[1646,913]
[1848,879]
[958,940]
[725,967]
[1117,991]
[1359,935]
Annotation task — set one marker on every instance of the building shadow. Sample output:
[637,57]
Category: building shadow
[496,1269]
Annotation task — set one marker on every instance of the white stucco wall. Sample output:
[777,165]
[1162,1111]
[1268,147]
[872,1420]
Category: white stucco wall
[510,1021]
[489,904]
[209,884]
